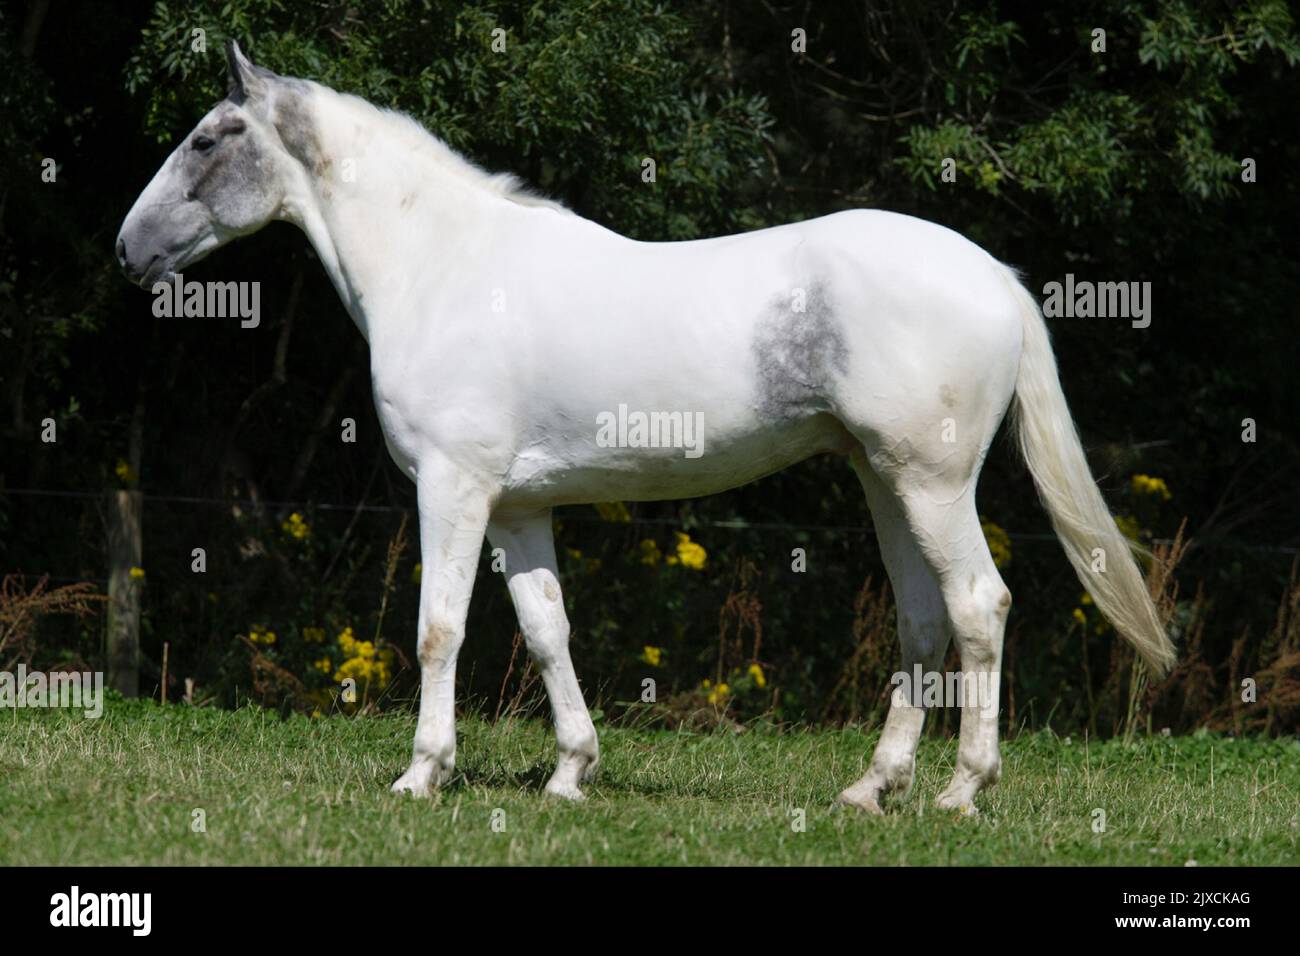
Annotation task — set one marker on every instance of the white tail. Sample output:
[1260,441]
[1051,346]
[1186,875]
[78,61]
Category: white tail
[1082,521]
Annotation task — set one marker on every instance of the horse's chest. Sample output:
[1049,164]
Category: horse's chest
[403,413]
[398,436]
[441,411]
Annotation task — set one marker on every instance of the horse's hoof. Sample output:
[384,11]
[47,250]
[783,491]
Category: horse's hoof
[565,791]
[963,805]
[414,788]
[421,780]
[863,802]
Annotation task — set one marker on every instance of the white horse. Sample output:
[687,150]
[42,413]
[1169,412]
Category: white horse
[506,332]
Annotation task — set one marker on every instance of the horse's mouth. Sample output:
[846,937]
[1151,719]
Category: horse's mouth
[159,270]
[165,267]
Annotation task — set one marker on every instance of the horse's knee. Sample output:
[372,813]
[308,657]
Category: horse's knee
[439,640]
[1000,601]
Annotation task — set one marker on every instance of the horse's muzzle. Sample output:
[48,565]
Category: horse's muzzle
[139,272]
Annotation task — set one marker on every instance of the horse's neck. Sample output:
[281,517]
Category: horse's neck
[382,210]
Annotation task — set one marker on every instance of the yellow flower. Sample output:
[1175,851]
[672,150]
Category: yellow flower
[324,665]
[313,635]
[259,636]
[998,541]
[689,554]
[589,565]
[137,574]
[718,695]
[756,672]
[372,669]
[416,571]
[650,552]
[1101,626]
[295,527]
[125,473]
[1129,527]
[1147,485]
[652,655]
[365,663]
[614,511]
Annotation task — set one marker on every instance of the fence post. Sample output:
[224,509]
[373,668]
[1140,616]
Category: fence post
[125,524]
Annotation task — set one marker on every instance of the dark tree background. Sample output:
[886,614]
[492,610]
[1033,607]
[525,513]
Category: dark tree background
[1117,165]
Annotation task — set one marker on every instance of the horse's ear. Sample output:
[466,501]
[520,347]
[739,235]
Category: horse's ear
[247,81]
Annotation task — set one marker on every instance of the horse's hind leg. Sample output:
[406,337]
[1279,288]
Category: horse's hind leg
[923,635]
[938,514]
[534,586]
[978,603]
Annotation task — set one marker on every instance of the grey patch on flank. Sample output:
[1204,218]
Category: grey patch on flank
[799,355]
[948,396]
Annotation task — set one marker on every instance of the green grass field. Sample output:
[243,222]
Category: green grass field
[123,790]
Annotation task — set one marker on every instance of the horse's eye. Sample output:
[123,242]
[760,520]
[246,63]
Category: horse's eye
[202,143]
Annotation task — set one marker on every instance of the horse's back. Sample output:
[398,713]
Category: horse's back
[902,329]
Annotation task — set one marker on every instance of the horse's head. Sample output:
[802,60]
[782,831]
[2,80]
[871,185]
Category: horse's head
[228,178]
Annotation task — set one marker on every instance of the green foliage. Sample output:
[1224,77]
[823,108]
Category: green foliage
[579,95]
[1119,131]
[40,309]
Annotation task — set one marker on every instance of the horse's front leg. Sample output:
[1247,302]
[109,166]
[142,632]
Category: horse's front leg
[453,509]
[534,584]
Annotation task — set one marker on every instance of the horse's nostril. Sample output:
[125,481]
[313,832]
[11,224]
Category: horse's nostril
[121,251]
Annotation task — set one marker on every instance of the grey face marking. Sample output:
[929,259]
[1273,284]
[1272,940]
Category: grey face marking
[800,354]
[232,165]
[226,179]
[296,126]
[222,181]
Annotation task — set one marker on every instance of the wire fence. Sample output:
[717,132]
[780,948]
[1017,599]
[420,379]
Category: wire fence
[1207,544]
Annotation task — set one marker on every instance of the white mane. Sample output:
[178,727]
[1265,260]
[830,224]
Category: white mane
[412,134]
